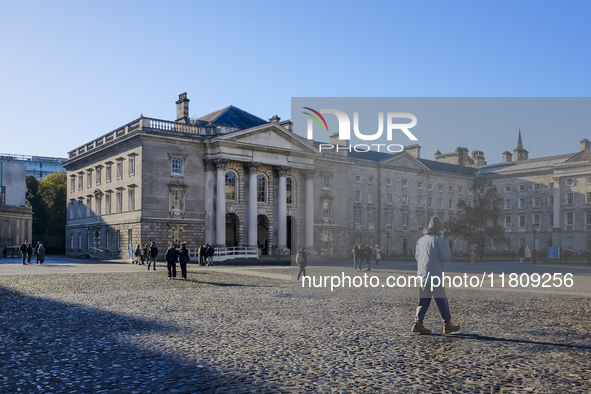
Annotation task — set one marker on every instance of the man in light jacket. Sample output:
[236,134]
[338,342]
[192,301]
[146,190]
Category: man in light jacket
[432,252]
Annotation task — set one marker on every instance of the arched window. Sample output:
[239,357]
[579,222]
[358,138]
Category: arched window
[230,186]
[261,188]
[288,190]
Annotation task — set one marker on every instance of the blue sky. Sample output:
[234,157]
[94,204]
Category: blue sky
[71,71]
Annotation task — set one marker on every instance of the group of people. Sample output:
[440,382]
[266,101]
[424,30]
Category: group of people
[206,253]
[361,254]
[174,254]
[27,252]
[146,253]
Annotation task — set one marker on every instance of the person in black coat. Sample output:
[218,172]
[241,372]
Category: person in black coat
[210,253]
[24,247]
[172,256]
[184,259]
[29,252]
[152,253]
[302,262]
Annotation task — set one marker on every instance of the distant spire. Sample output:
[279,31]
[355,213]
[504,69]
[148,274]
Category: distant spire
[519,142]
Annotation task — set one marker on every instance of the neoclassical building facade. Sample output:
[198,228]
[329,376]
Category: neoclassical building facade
[230,178]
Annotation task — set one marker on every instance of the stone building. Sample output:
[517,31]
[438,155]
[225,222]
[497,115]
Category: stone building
[232,179]
[16,219]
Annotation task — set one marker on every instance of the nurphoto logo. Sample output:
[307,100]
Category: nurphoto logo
[345,129]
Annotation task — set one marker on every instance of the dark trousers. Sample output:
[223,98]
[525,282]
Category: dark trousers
[425,295]
[183,269]
[302,272]
[171,269]
[24,258]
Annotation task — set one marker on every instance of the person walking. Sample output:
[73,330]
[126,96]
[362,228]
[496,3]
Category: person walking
[367,257]
[153,252]
[171,257]
[302,261]
[527,254]
[138,253]
[24,252]
[356,257]
[473,250]
[378,252]
[210,253]
[41,253]
[202,255]
[431,253]
[36,251]
[29,253]
[184,259]
[146,254]
[521,253]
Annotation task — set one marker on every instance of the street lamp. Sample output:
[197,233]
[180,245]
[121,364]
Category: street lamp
[533,226]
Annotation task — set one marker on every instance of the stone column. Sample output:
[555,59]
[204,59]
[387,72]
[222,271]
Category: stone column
[557,202]
[281,220]
[209,166]
[309,210]
[220,211]
[251,208]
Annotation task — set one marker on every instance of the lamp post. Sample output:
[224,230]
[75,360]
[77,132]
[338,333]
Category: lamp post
[533,226]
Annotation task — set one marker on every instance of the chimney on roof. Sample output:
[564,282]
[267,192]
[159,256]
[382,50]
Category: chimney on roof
[414,150]
[334,139]
[274,119]
[507,157]
[182,108]
[585,144]
[478,158]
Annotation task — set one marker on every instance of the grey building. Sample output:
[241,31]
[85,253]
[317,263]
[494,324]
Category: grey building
[15,218]
[232,179]
[39,166]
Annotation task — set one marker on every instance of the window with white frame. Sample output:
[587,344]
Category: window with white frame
[108,203]
[131,199]
[388,181]
[326,209]
[404,199]
[176,199]
[370,197]
[450,204]
[522,203]
[420,221]
[536,220]
[326,181]
[72,210]
[429,202]
[570,198]
[88,207]
[588,218]
[176,166]
[521,221]
[588,197]
[72,183]
[357,215]
[98,205]
[404,183]
[119,201]
[131,165]
[430,186]
[370,218]
[389,218]
[570,182]
[440,203]
[536,186]
[370,180]
[551,185]
[440,188]
[288,191]
[231,186]
[507,203]
[80,206]
[550,201]
[89,179]
[80,180]
[108,173]
[460,189]
[451,189]
[404,221]
[357,178]
[79,241]
[570,219]
[261,188]
[119,169]
[507,189]
[419,185]
[98,175]
[357,195]
[589,180]
[388,198]
[521,188]
[537,202]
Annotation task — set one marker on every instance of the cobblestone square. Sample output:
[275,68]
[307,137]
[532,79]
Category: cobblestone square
[70,327]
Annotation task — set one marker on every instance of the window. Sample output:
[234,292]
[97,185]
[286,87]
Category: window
[131,199]
[404,199]
[89,179]
[325,240]
[522,242]
[521,188]
[119,201]
[550,201]
[370,218]
[551,220]
[230,186]
[522,203]
[370,180]
[588,197]
[288,190]
[420,221]
[450,204]
[120,169]
[551,185]
[588,183]
[429,202]
[80,181]
[357,178]
[570,219]
[72,183]
[370,198]
[388,198]
[537,203]
[98,176]
[131,165]
[80,205]
[588,217]
[118,239]
[326,209]
[507,189]
[507,203]
[440,203]
[176,167]
[388,181]
[357,195]
[389,218]
[521,221]
[261,188]
[108,173]
[404,183]
[419,185]
[570,182]
[536,220]
[569,243]
[570,198]
[430,186]
[440,188]
[493,245]
[98,203]
[326,181]
[176,199]
[88,207]
[537,186]
[451,189]
[404,221]
[357,215]
[108,203]
[420,201]
[460,190]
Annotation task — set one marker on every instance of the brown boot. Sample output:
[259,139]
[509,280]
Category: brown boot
[449,327]
[419,328]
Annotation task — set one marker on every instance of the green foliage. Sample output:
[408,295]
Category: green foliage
[48,200]
[479,220]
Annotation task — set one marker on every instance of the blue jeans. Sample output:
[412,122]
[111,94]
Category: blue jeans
[152,260]
[357,264]
[302,272]
[425,295]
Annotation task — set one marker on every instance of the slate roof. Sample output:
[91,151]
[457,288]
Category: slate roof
[526,165]
[449,168]
[584,155]
[230,116]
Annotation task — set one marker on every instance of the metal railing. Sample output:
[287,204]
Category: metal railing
[229,253]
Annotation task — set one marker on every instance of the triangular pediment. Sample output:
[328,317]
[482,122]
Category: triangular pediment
[269,136]
[404,160]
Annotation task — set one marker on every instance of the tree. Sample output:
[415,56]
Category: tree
[479,220]
[35,201]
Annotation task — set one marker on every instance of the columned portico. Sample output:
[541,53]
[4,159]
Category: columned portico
[309,210]
[220,210]
[251,216]
[281,221]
